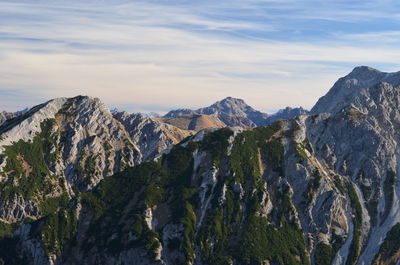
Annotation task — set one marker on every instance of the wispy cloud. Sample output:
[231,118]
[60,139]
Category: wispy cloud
[142,54]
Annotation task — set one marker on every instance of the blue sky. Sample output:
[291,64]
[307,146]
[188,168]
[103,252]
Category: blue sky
[159,55]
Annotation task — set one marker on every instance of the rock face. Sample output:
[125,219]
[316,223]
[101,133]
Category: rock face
[321,188]
[359,138]
[66,146]
[150,135]
[346,87]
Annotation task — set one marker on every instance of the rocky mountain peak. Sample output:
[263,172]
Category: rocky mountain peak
[346,87]
[231,111]
[235,112]
[229,105]
[360,70]
[231,101]
[76,140]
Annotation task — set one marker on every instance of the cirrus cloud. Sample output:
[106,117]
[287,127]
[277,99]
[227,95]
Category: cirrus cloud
[154,55]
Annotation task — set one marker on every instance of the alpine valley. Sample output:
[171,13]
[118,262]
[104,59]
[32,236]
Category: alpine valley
[224,184]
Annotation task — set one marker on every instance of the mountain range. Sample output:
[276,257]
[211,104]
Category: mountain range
[235,112]
[224,184]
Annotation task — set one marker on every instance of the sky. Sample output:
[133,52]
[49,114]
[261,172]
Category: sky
[157,55]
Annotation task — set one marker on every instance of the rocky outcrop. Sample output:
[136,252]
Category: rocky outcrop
[149,135]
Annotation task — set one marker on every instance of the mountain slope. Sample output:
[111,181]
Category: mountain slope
[66,146]
[149,135]
[171,211]
[226,197]
[57,149]
[345,87]
[195,122]
[360,140]
[317,189]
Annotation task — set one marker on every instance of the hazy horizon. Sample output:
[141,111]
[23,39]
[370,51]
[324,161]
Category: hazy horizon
[144,56]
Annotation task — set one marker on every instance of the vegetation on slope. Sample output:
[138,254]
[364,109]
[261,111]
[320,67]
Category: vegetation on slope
[325,253]
[355,246]
[389,250]
[389,190]
[26,168]
[235,226]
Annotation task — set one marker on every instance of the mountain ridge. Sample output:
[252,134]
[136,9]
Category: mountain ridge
[318,188]
[235,112]
[77,139]
[359,77]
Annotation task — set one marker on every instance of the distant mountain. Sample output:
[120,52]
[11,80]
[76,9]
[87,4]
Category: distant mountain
[152,114]
[179,112]
[6,116]
[231,111]
[235,112]
[195,122]
[286,114]
[20,112]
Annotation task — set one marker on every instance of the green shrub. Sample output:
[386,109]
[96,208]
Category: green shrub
[272,152]
[52,204]
[265,133]
[355,247]
[301,150]
[6,229]
[390,246]
[389,189]
[244,158]
[58,229]
[324,254]
[27,162]
[339,185]
[262,241]
[217,143]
